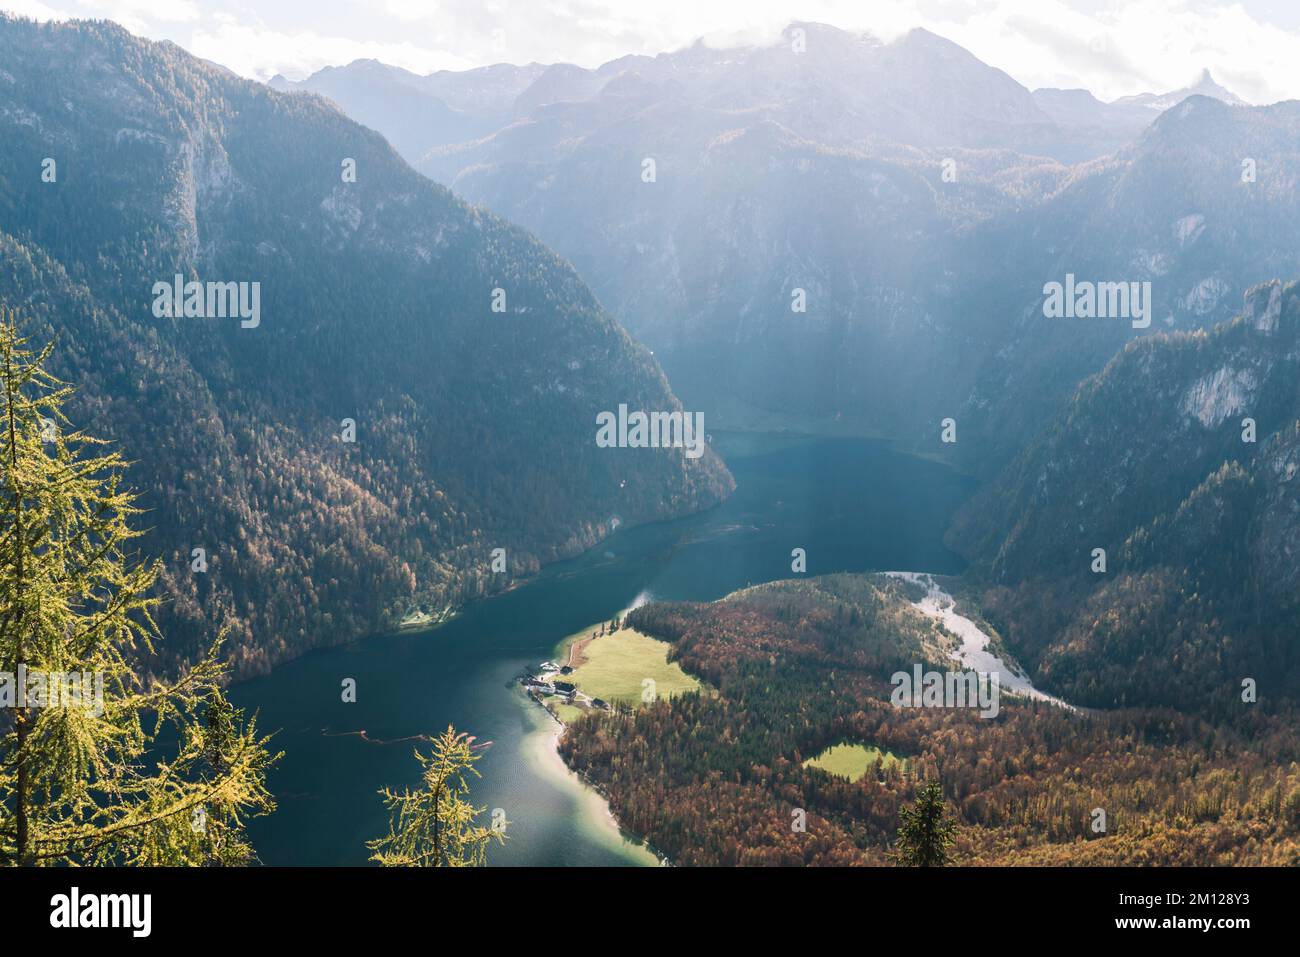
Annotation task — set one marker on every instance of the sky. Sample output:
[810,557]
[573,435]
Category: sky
[1111,48]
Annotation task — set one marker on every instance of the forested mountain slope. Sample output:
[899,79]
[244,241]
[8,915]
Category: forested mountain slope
[855,234]
[1180,459]
[474,429]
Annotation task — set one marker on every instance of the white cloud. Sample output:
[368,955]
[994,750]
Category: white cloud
[140,16]
[1113,49]
[262,53]
[166,11]
[33,9]
[1140,46]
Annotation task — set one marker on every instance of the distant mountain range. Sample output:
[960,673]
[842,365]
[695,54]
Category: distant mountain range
[856,236]
[823,83]
[1109,126]
[126,163]
[921,202]
[418,113]
[918,197]
[1159,102]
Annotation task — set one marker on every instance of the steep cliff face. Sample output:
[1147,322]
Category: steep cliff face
[1180,461]
[470,361]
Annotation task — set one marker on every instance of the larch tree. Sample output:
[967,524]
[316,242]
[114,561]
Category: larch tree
[100,761]
[436,825]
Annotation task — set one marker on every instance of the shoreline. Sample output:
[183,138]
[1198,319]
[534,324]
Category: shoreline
[590,821]
[408,626]
[975,650]
[625,834]
[428,623]
[594,804]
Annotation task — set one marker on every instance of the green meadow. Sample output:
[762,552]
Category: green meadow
[617,665]
[852,761]
[567,712]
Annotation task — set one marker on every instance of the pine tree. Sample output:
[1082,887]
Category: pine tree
[925,832]
[119,767]
[435,825]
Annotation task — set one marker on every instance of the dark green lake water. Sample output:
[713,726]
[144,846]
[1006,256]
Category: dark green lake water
[854,505]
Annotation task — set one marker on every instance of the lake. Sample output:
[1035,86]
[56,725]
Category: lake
[852,504]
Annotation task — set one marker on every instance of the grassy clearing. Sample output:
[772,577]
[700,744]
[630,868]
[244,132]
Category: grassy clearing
[852,761]
[615,666]
[568,712]
[570,650]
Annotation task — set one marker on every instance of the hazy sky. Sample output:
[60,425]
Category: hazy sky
[1112,48]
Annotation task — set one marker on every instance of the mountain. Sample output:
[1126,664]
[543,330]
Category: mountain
[125,163]
[1110,126]
[1204,206]
[910,191]
[397,103]
[756,152]
[1180,459]
[826,84]
[556,84]
[1158,103]
[918,197]
[488,90]
[909,277]
[1099,128]
[703,264]
[823,83]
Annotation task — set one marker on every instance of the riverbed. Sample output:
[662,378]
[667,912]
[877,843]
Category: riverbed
[974,649]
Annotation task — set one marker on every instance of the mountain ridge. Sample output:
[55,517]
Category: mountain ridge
[376,307]
[1179,461]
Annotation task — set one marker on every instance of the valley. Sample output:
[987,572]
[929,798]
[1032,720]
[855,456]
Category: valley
[466,670]
[999,496]
[173,167]
[916,202]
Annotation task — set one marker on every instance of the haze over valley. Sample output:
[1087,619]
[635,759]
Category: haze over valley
[820,449]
